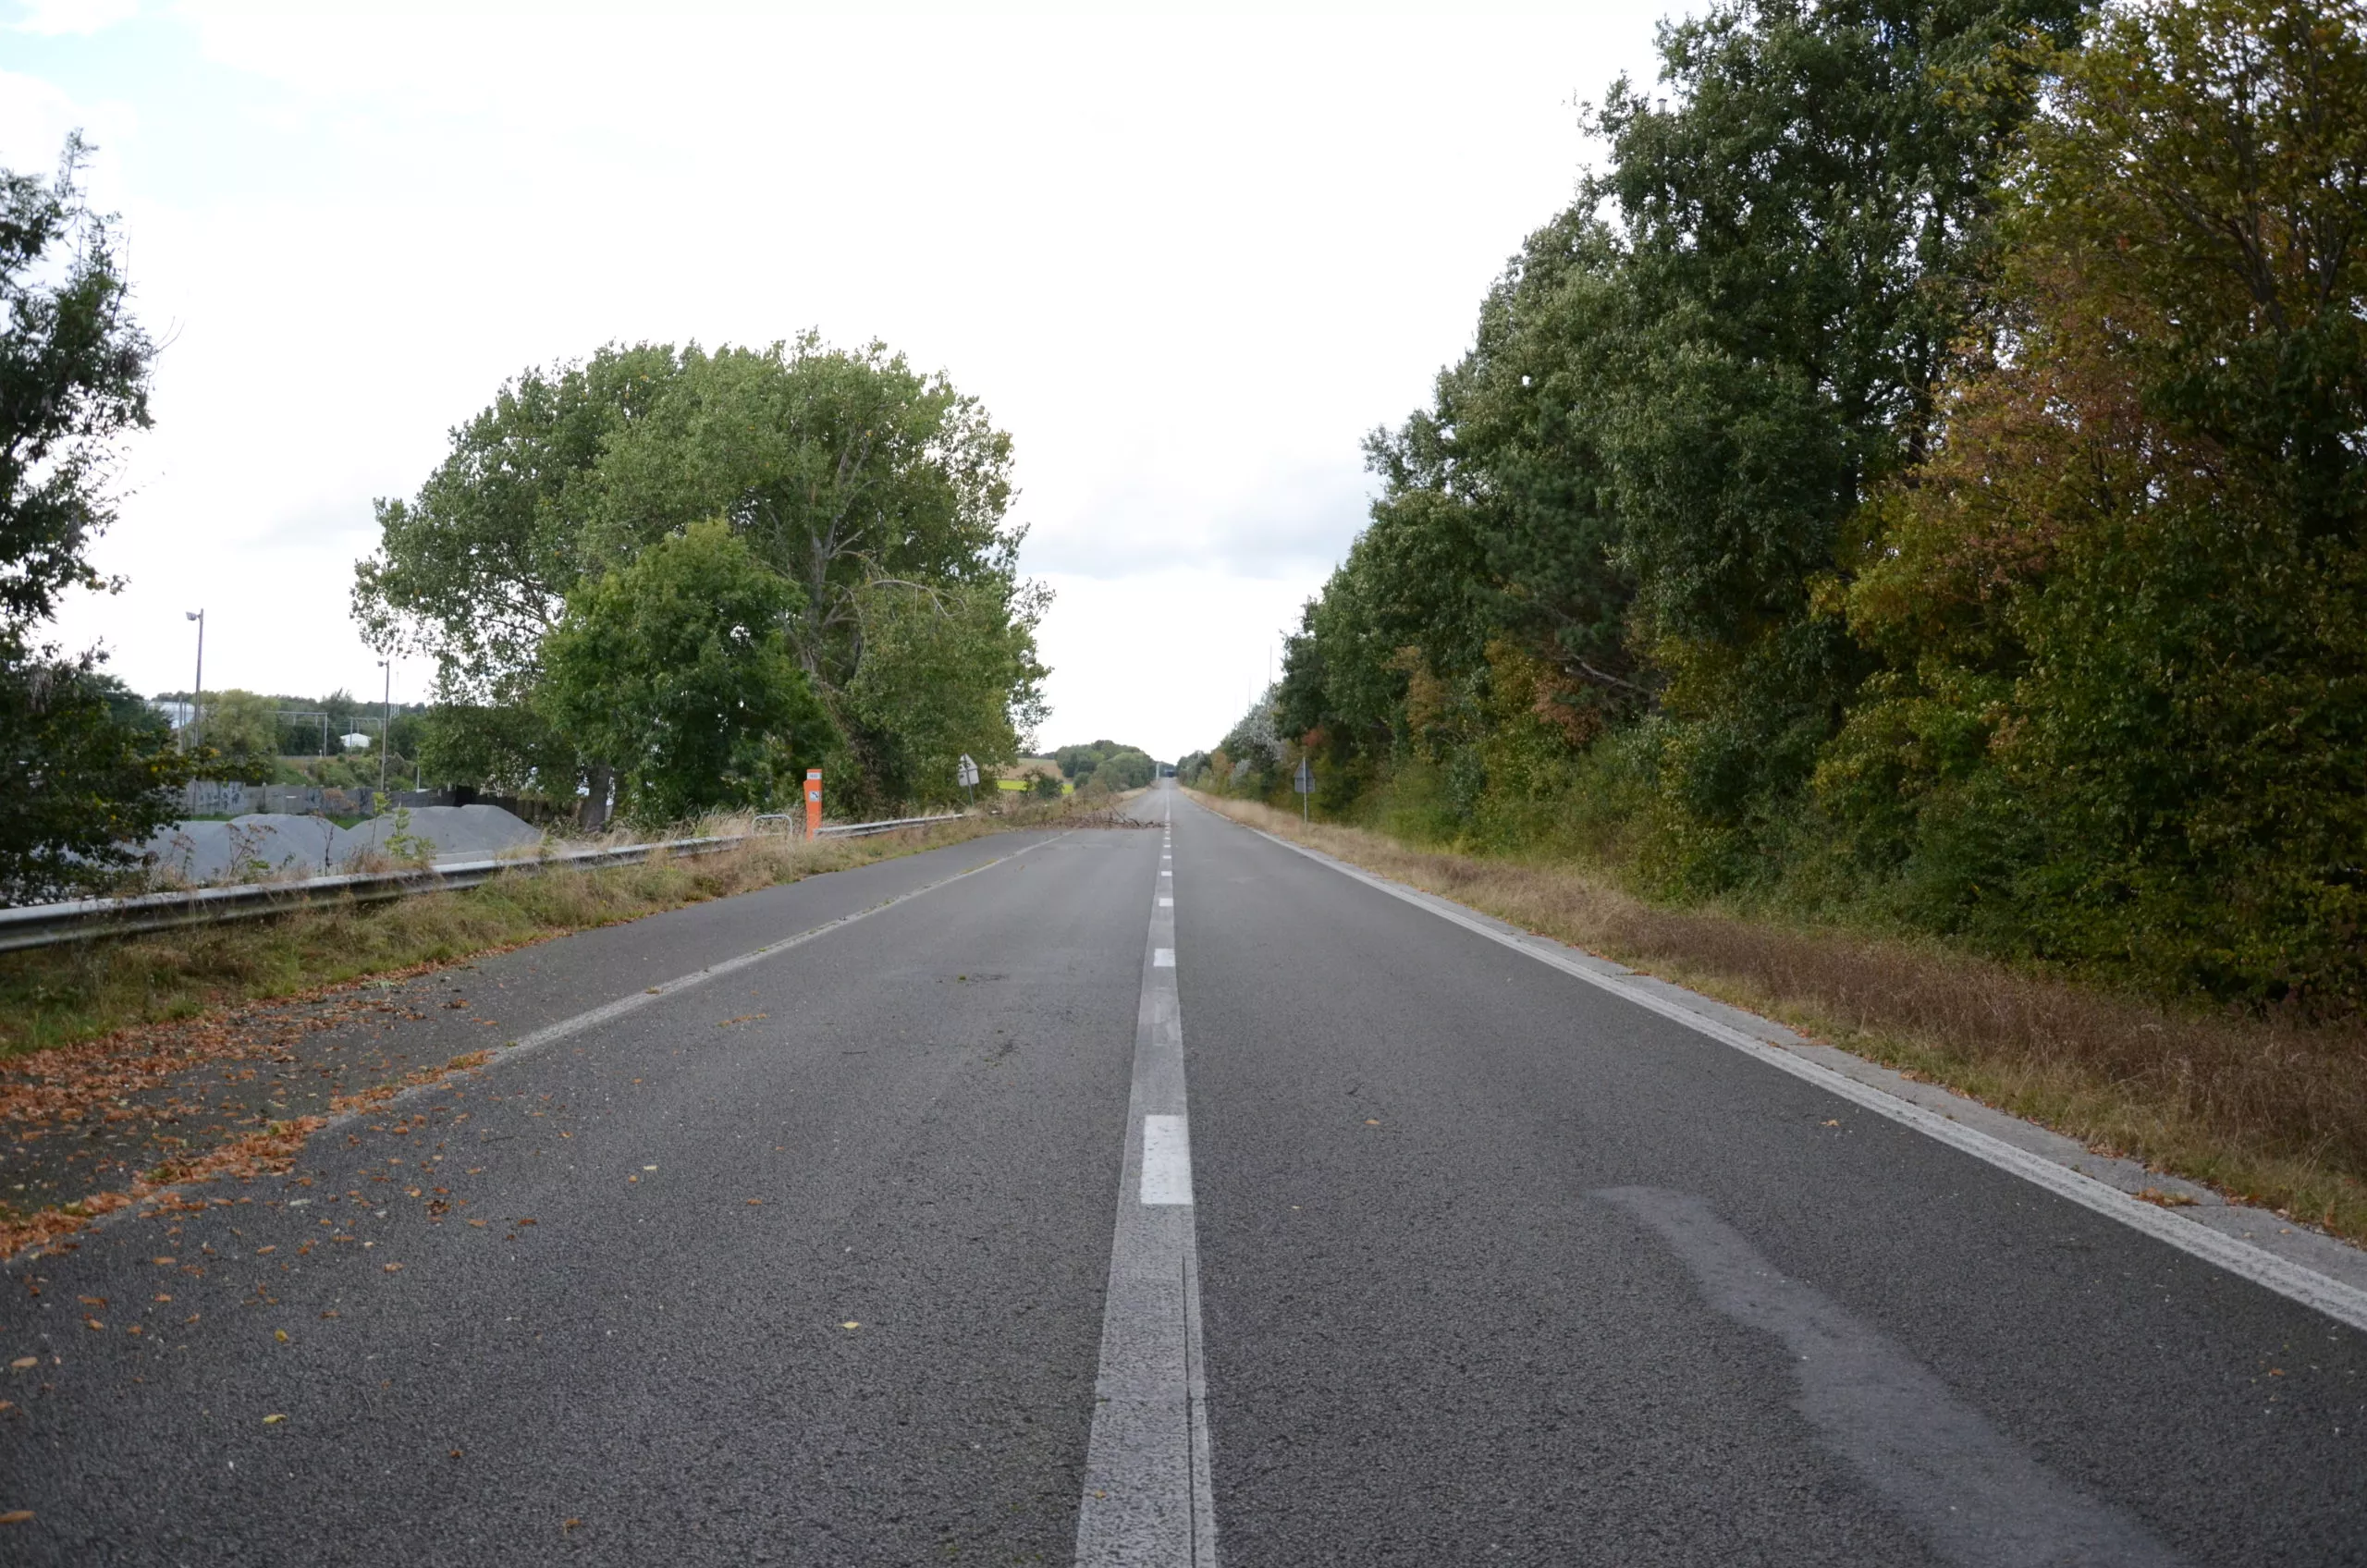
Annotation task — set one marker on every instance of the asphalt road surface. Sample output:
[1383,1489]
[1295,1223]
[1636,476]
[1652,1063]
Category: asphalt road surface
[1017,1215]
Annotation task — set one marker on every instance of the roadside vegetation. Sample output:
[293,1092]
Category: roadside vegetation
[79,991]
[2263,1108]
[1104,768]
[1919,486]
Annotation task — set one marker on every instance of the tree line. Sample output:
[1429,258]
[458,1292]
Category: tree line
[1920,477]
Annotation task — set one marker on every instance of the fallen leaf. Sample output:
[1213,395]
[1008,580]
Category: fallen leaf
[754,1202]
[133,1329]
[164,1298]
[455,1453]
[166,1262]
[2165,1200]
[280,1334]
[478,1223]
[330,1313]
[394,1268]
[17,1516]
[1370,1122]
[93,1324]
[649,1168]
[849,1324]
[93,1301]
[273,1420]
[570,1524]
[24,1361]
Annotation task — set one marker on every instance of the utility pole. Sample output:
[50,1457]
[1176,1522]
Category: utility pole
[386,729]
[196,698]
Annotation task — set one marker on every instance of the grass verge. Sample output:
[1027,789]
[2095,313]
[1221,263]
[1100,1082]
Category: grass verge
[2270,1113]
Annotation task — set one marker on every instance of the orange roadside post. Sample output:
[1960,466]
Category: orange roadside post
[813,803]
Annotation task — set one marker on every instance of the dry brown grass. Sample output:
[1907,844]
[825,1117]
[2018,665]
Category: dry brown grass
[2273,1113]
[82,990]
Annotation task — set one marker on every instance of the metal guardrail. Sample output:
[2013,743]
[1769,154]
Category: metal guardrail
[41,926]
[863,829]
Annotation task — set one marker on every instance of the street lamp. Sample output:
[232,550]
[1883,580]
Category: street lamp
[196,701]
[197,698]
[386,723]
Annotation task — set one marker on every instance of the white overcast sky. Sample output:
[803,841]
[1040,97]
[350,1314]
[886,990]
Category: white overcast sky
[1188,256]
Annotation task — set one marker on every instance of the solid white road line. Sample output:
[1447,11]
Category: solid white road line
[1148,1496]
[2345,1304]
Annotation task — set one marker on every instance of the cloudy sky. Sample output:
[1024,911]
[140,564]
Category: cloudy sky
[1186,254]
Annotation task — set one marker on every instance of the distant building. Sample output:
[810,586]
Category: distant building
[178,713]
[355,742]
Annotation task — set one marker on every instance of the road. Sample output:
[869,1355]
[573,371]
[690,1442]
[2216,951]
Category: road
[1016,1215]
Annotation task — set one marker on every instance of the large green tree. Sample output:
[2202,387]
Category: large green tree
[880,492]
[88,770]
[676,667]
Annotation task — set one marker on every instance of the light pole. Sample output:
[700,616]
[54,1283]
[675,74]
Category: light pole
[385,724]
[197,698]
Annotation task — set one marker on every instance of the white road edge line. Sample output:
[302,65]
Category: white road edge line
[2343,1302]
[1148,1496]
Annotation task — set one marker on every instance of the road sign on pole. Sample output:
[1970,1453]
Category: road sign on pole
[1304,782]
[813,803]
[965,773]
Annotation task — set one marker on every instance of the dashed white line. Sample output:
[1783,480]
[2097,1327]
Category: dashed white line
[1147,1498]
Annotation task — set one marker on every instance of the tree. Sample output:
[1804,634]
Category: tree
[873,487]
[92,772]
[945,672]
[676,668]
[241,727]
[475,570]
[89,767]
[73,377]
[846,473]
[2123,611]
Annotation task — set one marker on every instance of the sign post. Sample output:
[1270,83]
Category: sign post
[1304,782]
[965,773]
[813,803]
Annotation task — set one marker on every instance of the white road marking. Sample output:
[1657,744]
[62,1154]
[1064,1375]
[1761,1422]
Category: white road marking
[1166,902]
[1147,1498]
[2345,1304]
[1166,1161]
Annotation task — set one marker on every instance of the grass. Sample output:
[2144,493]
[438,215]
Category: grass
[2269,1112]
[79,991]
